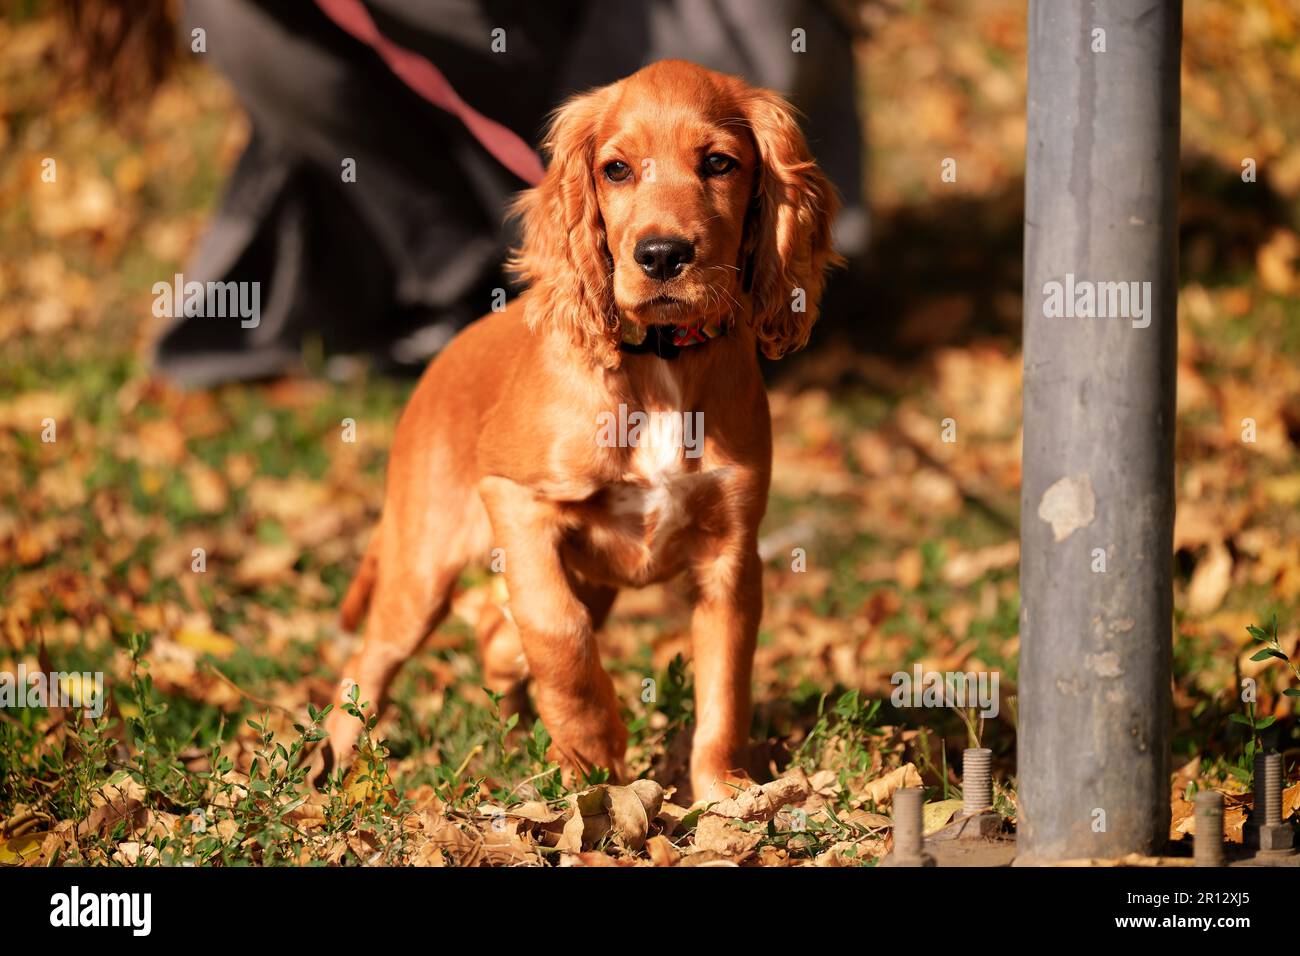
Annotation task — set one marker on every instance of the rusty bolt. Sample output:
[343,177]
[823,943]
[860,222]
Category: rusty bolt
[909,840]
[1208,845]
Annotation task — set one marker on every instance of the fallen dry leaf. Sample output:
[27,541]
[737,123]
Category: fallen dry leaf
[882,788]
[207,642]
[719,835]
[762,803]
[909,568]
[662,851]
[17,850]
[266,564]
[964,569]
[121,799]
[621,812]
[935,815]
[1210,581]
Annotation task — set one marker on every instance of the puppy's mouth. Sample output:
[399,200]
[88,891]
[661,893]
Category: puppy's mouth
[659,309]
[660,301]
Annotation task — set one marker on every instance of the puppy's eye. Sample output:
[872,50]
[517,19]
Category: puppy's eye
[718,164]
[617,171]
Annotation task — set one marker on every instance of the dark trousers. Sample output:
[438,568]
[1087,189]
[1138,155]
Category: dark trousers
[397,261]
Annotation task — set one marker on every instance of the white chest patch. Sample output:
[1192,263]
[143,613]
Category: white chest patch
[655,489]
[657,486]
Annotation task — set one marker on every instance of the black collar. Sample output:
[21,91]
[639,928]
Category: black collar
[659,340]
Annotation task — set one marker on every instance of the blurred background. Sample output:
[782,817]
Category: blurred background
[911,543]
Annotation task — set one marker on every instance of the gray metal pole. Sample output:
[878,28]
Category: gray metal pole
[1097,503]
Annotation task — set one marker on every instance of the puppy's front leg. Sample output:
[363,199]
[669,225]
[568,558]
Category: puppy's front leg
[574,696]
[724,630]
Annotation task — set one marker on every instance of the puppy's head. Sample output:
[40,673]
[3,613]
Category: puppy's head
[675,195]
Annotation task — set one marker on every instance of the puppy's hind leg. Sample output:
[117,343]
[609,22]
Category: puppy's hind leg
[501,655]
[358,595]
[418,564]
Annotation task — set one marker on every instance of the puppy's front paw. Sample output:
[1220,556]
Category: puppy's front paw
[337,750]
[718,773]
[580,750]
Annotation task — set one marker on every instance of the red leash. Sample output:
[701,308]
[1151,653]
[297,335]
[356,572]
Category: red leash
[427,80]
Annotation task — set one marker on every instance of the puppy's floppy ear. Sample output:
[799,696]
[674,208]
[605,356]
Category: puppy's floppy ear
[563,255]
[788,233]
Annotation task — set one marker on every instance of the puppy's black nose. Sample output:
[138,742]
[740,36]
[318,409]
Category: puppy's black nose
[663,257]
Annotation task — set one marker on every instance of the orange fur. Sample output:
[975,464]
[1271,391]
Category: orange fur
[563,257]
[498,447]
[357,599]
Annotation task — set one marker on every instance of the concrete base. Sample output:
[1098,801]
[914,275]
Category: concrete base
[974,852]
[894,860]
[981,826]
[1274,842]
[999,849]
[1274,858]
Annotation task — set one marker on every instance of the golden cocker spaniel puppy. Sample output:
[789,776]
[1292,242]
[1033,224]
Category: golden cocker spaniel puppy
[609,428]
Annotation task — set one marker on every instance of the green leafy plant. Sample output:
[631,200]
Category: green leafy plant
[1271,650]
[841,737]
[1244,769]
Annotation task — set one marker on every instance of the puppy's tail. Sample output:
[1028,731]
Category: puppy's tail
[357,599]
